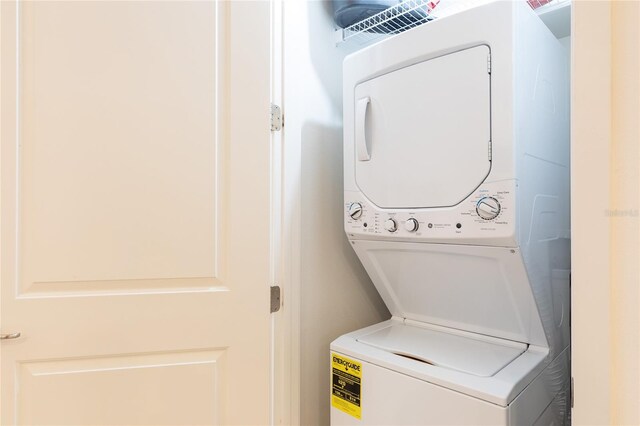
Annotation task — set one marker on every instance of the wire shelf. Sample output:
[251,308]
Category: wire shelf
[396,19]
[409,14]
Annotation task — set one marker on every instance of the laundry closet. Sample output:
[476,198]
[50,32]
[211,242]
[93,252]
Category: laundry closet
[309,212]
[376,242]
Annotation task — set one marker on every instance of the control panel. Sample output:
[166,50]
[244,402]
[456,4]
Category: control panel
[486,217]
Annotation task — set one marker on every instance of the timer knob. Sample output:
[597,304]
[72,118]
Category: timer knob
[355,210]
[390,225]
[411,225]
[488,208]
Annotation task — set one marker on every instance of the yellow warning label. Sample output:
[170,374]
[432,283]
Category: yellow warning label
[346,385]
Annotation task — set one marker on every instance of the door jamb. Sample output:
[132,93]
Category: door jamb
[285,373]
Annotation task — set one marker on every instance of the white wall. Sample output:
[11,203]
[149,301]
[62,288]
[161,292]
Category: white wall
[566,42]
[335,294]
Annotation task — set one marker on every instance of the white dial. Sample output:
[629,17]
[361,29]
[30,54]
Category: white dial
[488,208]
[411,225]
[390,225]
[355,210]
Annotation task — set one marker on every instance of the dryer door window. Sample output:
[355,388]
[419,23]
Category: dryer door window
[422,133]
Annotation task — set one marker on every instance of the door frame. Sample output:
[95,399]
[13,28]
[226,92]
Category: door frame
[285,400]
[605,202]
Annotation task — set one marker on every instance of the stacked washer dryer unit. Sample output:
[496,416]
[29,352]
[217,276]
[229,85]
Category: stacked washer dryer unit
[456,151]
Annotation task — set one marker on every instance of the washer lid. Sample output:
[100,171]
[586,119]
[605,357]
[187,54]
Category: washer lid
[422,133]
[483,290]
[479,356]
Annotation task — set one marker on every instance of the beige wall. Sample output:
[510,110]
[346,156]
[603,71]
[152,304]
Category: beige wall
[625,253]
[335,294]
[605,205]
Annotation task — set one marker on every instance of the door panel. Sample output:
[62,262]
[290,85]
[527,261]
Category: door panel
[126,166]
[426,130]
[156,377]
[108,147]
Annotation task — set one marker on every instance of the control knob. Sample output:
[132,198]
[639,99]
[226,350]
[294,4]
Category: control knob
[390,225]
[355,210]
[488,208]
[411,225]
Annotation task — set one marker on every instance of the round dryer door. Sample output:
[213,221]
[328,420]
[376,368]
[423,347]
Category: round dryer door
[422,133]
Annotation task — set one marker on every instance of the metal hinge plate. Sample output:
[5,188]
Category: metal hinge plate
[275,298]
[571,393]
[489,63]
[277,119]
[490,153]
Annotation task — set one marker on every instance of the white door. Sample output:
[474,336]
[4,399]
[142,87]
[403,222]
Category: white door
[427,129]
[135,218]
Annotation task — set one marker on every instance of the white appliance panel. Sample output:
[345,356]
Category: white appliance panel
[473,355]
[479,289]
[398,399]
[500,388]
[422,133]
[458,225]
[394,392]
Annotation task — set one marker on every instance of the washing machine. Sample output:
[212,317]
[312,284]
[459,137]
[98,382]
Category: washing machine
[456,174]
